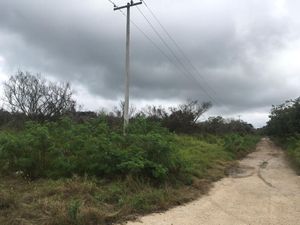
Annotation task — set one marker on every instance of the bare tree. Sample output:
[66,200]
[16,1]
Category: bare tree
[119,111]
[195,108]
[184,117]
[36,97]
[155,113]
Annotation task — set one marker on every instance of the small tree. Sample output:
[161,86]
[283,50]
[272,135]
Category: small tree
[36,97]
[285,119]
[184,117]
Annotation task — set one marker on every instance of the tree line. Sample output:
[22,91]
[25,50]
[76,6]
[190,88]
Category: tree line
[29,96]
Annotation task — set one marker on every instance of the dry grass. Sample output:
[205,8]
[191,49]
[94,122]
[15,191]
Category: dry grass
[79,201]
[83,201]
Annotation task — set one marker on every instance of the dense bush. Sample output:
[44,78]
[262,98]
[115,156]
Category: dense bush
[240,145]
[5,117]
[293,150]
[12,121]
[284,127]
[180,119]
[62,148]
[90,200]
[285,119]
[220,126]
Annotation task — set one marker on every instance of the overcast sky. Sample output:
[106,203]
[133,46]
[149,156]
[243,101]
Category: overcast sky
[246,52]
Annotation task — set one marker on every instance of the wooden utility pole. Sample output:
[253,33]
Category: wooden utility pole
[127,78]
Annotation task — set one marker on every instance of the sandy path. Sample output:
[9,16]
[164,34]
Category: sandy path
[264,192]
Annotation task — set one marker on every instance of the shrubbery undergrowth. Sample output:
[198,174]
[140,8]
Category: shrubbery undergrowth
[101,176]
[64,148]
[284,127]
[293,150]
[240,145]
[60,149]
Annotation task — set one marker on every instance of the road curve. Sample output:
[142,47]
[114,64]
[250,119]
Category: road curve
[263,191]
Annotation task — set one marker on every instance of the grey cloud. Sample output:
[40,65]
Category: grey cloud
[231,42]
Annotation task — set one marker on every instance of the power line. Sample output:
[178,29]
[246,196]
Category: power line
[112,3]
[177,46]
[183,68]
[146,36]
[149,39]
[155,45]
[152,42]
[175,56]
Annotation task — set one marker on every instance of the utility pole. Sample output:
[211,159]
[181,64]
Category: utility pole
[127,78]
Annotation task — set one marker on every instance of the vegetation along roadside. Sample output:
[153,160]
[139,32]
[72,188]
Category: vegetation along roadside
[284,128]
[87,174]
[60,167]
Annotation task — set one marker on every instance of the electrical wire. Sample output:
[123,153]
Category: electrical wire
[152,42]
[183,67]
[178,46]
[175,56]
[155,45]
[112,3]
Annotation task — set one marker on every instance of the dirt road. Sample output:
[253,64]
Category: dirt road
[263,191]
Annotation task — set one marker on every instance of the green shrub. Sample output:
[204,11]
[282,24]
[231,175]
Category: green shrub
[284,119]
[293,150]
[26,151]
[240,145]
[62,148]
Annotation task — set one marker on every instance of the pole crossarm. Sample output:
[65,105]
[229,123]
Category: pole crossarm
[129,4]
